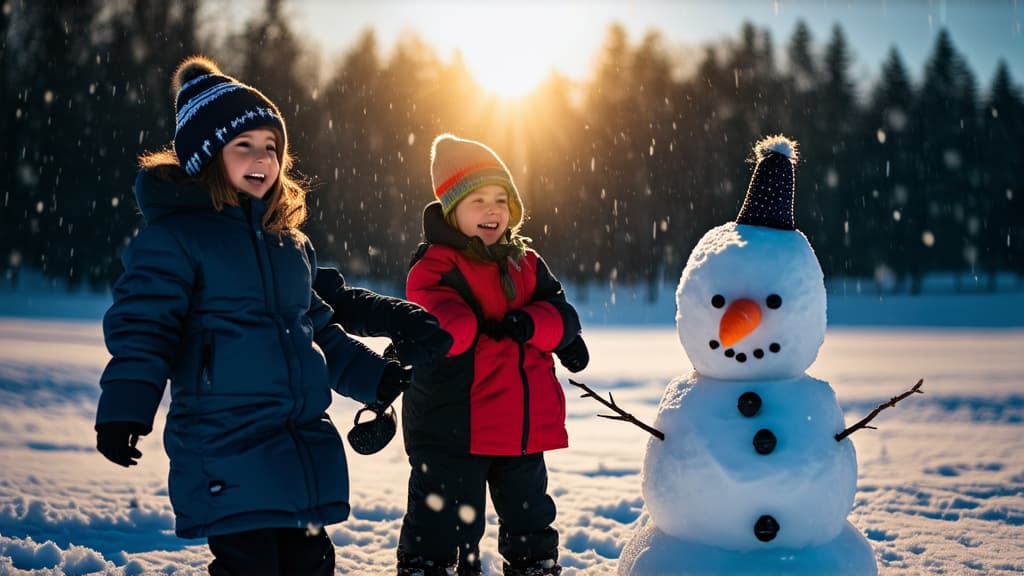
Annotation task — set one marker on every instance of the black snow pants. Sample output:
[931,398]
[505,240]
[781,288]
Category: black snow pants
[272,552]
[446,512]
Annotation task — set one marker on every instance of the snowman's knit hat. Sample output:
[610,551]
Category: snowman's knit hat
[769,200]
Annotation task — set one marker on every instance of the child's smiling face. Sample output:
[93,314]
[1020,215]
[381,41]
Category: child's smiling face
[484,212]
[250,160]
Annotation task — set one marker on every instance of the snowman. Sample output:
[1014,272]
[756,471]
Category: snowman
[750,478]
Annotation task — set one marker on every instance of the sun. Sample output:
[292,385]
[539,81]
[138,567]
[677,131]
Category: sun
[508,70]
[510,48]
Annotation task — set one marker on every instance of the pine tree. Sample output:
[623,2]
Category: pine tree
[275,60]
[553,188]
[344,159]
[946,113]
[57,141]
[1002,226]
[889,141]
[836,191]
[10,257]
[707,147]
[143,44]
[615,174]
[657,204]
[802,111]
[802,76]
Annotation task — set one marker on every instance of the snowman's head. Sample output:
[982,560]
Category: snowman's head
[751,303]
[751,300]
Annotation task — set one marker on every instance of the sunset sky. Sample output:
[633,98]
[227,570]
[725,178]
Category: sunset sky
[511,46]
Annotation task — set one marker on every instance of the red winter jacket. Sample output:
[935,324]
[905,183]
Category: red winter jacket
[488,397]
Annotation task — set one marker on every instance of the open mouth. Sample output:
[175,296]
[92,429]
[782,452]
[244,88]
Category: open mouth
[256,177]
[488,226]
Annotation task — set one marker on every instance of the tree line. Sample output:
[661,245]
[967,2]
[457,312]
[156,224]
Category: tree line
[620,175]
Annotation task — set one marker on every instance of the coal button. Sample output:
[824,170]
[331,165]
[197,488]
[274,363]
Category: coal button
[766,528]
[764,441]
[749,404]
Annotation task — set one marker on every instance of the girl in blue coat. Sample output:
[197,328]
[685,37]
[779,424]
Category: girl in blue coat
[216,297]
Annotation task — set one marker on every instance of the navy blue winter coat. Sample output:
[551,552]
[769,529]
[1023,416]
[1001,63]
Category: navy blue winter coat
[226,312]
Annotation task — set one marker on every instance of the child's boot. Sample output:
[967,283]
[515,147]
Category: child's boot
[538,568]
[419,566]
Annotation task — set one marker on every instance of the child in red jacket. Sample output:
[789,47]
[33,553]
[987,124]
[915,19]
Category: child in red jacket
[485,414]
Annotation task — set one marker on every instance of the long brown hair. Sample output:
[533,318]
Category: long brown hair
[286,207]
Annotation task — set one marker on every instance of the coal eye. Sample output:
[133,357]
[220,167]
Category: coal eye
[718,300]
[774,301]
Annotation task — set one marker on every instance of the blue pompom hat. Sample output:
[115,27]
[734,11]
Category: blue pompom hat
[212,108]
[769,200]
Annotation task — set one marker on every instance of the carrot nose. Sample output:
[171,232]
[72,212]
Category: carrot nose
[740,319]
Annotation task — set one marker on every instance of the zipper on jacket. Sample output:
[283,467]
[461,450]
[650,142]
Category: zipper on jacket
[266,269]
[526,398]
[271,308]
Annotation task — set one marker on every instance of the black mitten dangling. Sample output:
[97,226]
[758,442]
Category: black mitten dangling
[373,435]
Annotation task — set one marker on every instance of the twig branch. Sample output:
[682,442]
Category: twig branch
[621,414]
[892,402]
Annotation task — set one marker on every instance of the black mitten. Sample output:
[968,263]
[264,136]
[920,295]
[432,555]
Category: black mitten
[417,335]
[116,441]
[372,436]
[574,355]
[328,281]
[517,325]
[492,328]
[395,380]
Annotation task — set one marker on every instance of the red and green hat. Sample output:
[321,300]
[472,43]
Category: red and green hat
[458,166]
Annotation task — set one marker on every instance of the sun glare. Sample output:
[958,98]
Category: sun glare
[509,50]
[507,70]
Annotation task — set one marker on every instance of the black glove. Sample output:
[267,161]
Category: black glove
[373,435]
[328,281]
[492,328]
[395,380]
[516,325]
[417,335]
[116,441]
[574,355]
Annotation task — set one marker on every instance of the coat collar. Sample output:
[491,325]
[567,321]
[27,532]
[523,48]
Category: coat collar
[436,229]
[158,197]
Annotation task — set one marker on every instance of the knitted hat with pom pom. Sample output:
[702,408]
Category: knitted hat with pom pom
[459,166]
[212,108]
[769,200]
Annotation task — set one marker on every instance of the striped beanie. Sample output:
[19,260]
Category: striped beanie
[457,167]
[212,108]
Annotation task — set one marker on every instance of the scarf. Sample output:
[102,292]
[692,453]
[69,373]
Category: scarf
[506,254]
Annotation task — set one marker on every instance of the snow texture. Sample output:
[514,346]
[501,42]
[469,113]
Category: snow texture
[706,483]
[940,482]
[734,262]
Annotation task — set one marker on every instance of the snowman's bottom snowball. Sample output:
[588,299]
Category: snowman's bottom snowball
[651,552]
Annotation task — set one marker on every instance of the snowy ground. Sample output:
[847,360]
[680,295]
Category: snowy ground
[941,486]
